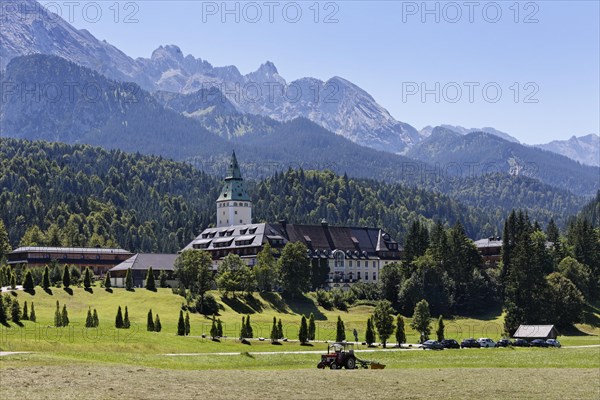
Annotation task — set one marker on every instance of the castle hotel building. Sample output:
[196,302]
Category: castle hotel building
[352,254]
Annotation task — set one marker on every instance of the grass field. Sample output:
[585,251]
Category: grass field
[111,363]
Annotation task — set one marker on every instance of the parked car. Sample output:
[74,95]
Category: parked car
[486,342]
[468,343]
[432,345]
[450,344]
[504,343]
[553,343]
[539,343]
[521,343]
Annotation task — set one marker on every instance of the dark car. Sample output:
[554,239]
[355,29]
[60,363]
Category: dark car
[504,343]
[450,344]
[539,343]
[521,343]
[432,345]
[468,343]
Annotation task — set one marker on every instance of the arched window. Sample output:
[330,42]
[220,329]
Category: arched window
[339,259]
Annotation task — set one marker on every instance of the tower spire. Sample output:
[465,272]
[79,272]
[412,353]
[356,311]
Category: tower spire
[234,205]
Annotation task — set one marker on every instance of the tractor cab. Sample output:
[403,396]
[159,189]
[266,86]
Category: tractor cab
[339,354]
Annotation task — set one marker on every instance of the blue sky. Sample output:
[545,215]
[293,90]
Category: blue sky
[543,56]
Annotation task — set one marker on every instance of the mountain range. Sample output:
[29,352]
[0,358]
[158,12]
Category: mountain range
[585,149]
[183,108]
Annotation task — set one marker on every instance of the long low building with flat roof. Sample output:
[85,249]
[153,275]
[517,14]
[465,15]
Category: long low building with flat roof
[98,259]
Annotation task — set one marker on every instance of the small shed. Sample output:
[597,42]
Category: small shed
[531,332]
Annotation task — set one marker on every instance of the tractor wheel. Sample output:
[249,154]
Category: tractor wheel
[351,363]
[333,365]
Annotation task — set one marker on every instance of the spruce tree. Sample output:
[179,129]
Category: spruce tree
[15,311]
[400,332]
[157,324]
[213,328]
[162,277]
[28,282]
[150,322]
[243,328]
[57,316]
[312,329]
[126,323]
[89,320]
[150,283]
[187,323]
[25,315]
[129,279]
[87,278]
[66,277]
[440,329]
[107,280]
[370,333]
[119,319]
[303,332]
[46,278]
[65,316]
[32,316]
[181,325]
[3,317]
[96,321]
[280,329]
[274,331]
[249,332]
[219,327]
[340,334]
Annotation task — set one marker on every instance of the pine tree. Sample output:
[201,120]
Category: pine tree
[46,278]
[95,320]
[187,324]
[89,320]
[303,333]
[274,331]
[3,317]
[311,327]
[280,329]
[32,316]
[440,329]
[181,325]
[129,279]
[150,322]
[249,331]
[87,278]
[57,316]
[400,333]
[162,277]
[157,324]
[66,277]
[370,333]
[15,312]
[150,283]
[65,316]
[28,282]
[340,334]
[219,327]
[107,281]
[119,319]
[25,315]
[126,323]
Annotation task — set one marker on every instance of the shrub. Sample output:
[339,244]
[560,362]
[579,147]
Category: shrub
[32,316]
[119,319]
[303,332]
[28,282]
[210,306]
[65,316]
[87,278]
[150,322]
[187,324]
[25,315]
[150,283]
[324,299]
[107,280]
[181,325]
[126,323]
[15,312]
[46,278]
[157,324]
[95,319]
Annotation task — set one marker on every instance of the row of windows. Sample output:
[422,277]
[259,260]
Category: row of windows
[234,204]
[341,264]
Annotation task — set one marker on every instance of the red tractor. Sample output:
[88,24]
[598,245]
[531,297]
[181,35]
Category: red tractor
[339,355]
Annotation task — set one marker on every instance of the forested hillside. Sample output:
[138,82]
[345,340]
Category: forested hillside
[78,195]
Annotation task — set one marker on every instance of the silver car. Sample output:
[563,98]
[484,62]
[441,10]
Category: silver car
[553,343]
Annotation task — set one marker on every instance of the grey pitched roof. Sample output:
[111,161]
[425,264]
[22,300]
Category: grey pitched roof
[533,331]
[62,250]
[143,261]
[488,243]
